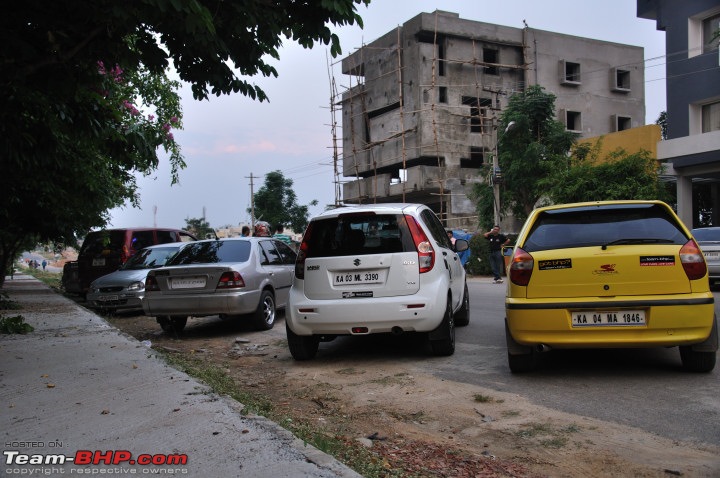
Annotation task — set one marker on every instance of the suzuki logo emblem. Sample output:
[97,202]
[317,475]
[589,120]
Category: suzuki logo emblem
[356,262]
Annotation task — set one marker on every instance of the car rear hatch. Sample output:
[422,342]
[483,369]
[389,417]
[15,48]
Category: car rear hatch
[622,270]
[627,249]
[360,255]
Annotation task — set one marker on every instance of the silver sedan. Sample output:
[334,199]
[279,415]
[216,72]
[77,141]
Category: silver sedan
[246,277]
[123,289]
[708,238]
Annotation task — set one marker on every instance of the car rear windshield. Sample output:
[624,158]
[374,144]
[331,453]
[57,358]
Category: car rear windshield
[358,234]
[211,252]
[96,242]
[603,226]
[709,234]
[150,258]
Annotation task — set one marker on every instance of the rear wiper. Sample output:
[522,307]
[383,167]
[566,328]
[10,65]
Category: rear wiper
[637,240]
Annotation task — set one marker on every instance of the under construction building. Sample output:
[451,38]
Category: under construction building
[420,116]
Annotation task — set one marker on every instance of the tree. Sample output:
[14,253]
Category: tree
[531,151]
[87,101]
[199,228]
[662,122]
[276,203]
[618,176]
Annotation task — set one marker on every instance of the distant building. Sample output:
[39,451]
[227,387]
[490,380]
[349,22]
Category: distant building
[421,114]
[692,147]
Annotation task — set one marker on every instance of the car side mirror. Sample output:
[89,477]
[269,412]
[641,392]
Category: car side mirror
[461,245]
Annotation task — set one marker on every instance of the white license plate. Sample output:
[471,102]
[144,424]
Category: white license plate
[712,255]
[98,261]
[188,283]
[108,298]
[365,277]
[615,318]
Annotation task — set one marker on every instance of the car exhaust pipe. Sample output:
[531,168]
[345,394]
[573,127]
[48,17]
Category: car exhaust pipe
[543,348]
[397,330]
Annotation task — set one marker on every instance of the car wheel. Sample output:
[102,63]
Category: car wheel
[264,316]
[444,346]
[172,324]
[694,361]
[462,317]
[302,347]
[522,358]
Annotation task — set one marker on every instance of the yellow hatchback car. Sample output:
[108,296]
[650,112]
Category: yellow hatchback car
[608,274]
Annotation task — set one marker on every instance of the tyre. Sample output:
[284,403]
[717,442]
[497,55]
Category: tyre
[445,345]
[264,317]
[462,317]
[694,361]
[521,358]
[302,347]
[172,324]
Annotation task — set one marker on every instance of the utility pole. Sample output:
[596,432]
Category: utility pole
[496,174]
[252,204]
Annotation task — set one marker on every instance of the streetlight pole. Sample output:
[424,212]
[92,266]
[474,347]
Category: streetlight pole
[495,175]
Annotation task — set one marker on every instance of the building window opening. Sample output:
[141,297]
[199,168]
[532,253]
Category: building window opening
[571,72]
[442,94]
[622,80]
[623,123]
[711,117]
[480,121]
[573,121]
[476,160]
[710,26]
[491,56]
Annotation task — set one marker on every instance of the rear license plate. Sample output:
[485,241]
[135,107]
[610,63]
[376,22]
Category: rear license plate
[711,255]
[616,318]
[365,277]
[187,283]
[98,261]
[108,298]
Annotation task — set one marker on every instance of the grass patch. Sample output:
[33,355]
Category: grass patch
[15,325]
[53,279]
[349,452]
[549,436]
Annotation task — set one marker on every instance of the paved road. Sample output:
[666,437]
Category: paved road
[644,388]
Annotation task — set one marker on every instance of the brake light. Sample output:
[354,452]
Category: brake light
[426,253]
[151,283]
[521,267]
[692,260]
[302,254]
[230,280]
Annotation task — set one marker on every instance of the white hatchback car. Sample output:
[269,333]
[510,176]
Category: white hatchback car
[382,268]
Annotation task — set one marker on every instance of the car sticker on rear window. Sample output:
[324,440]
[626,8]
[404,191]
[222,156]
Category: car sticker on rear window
[657,260]
[348,295]
[555,264]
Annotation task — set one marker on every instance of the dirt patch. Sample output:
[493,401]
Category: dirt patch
[423,425]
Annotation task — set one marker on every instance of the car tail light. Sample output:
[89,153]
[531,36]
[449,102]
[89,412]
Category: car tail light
[302,254]
[692,260]
[426,253]
[521,267]
[151,283]
[230,280]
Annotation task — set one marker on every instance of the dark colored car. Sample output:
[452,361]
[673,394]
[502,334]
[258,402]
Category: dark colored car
[104,251]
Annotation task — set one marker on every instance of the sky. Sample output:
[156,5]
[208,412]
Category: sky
[227,140]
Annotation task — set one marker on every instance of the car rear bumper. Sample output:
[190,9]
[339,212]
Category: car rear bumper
[669,322]
[411,313]
[199,305]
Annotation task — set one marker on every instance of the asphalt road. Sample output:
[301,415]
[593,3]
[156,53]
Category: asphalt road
[643,388]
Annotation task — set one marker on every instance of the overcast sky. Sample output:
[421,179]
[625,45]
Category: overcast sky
[226,140]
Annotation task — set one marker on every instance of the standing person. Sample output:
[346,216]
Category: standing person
[496,241]
[245,231]
[44,264]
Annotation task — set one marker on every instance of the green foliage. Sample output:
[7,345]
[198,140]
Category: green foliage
[662,121]
[14,325]
[531,151]
[618,176]
[276,203]
[6,303]
[199,228]
[88,102]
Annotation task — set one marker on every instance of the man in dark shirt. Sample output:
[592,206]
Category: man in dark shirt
[496,241]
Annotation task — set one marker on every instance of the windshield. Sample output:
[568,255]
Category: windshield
[604,226]
[150,258]
[211,252]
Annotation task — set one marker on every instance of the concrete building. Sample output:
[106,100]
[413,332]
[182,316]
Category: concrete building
[420,116]
[692,147]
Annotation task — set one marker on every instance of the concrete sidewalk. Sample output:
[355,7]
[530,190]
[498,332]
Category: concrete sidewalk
[76,384]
